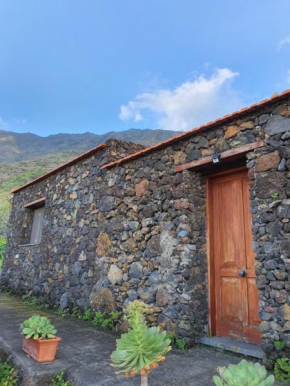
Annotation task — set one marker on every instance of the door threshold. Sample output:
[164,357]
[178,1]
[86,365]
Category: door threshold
[251,350]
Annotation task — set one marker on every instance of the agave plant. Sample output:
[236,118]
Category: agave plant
[243,374]
[139,350]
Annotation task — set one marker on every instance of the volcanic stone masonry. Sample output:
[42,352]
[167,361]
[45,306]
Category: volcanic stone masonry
[138,230]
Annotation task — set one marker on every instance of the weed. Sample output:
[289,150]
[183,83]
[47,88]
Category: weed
[282,369]
[8,375]
[59,380]
[275,195]
[181,344]
[87,316]
[279,345]
[106,321]
[62,312]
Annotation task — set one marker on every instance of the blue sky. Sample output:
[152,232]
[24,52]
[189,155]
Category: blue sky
[100,65]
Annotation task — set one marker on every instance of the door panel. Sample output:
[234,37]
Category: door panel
[236,296]
[230,300]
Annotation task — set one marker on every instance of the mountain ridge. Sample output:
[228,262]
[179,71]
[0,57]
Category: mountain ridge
[18,147]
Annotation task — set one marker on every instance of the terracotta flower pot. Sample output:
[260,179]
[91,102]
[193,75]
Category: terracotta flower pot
[41,350]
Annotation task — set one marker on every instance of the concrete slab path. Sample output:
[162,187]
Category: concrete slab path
[85,353]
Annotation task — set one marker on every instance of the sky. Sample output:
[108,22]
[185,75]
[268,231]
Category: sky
[73,66]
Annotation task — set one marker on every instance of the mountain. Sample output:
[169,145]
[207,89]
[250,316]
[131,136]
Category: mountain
[15,147]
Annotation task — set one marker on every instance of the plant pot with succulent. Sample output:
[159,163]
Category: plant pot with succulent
[39,340]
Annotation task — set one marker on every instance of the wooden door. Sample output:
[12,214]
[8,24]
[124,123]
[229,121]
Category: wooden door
[236,302]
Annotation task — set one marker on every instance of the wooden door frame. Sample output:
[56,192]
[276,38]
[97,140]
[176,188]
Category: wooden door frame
[210,255]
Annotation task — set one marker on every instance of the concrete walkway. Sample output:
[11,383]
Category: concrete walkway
[85,353]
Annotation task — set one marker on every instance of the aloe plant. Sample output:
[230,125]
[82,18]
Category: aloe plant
[243,374]
[38,327]
[139,350]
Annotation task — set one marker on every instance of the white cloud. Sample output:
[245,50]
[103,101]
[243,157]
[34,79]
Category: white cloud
[188,105]
[282,42]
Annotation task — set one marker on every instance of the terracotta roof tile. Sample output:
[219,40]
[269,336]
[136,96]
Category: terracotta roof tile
[57,169]
[189,133]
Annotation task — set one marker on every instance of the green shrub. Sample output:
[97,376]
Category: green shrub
[282,369]
[181,344]
[142,347]
[243,374]
[59,380]
[8,375]
[106,321]
[38,327]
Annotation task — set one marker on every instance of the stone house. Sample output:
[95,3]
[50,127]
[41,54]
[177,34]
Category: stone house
[198,226]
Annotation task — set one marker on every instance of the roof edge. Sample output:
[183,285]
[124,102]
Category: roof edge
[61,167]
[198,129]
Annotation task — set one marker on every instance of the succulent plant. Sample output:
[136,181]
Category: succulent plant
[139,350]
[38,327]
[243,374]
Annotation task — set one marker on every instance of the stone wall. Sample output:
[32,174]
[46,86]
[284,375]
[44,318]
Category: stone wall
[138,230]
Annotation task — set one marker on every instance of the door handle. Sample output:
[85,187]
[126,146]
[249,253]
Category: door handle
[242,273]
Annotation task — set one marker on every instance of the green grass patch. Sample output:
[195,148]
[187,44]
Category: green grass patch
[8,375]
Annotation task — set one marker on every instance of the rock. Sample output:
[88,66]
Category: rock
[263,119]
[102,300]
[284,150]
[147,294]
[141,188]
[136,270]
[202,143]
[179,157]
[106,204]
[247,125]
[194,155]
[264,327]
[103,245]
[231,131]
[82,256]
[154,278]
[186,297]
[115,275]
[284,312]
[280,275]
[64,301]
[162,297]
[286,327]
[153,247]
[269,183]
[134,225]
[277,124]
[284,209]
[282,166]
[77,267]
[267,162]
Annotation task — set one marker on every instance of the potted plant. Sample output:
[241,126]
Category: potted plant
[39,340]
[139,350]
